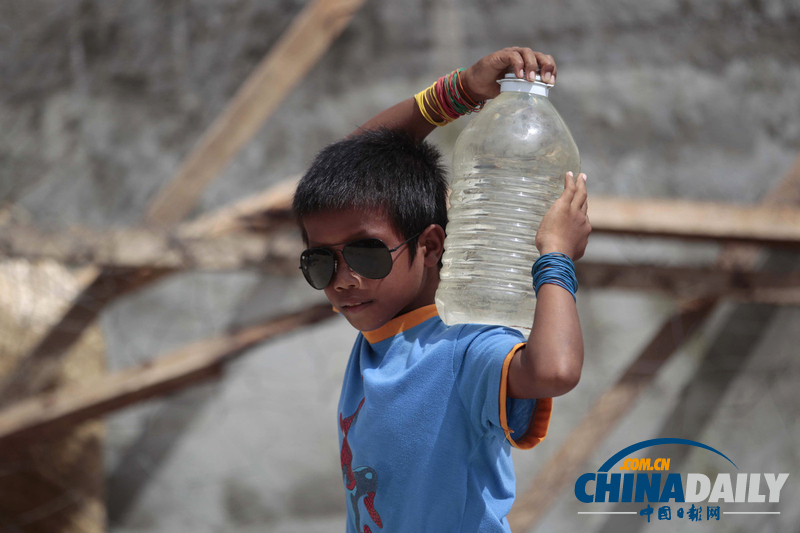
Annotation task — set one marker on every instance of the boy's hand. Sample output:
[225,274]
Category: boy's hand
[480,80]
[565,227]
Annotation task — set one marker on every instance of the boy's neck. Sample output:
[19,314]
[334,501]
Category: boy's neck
[426,296]
[401,323]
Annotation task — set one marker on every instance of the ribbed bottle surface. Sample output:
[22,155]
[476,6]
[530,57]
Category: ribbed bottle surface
[508,169]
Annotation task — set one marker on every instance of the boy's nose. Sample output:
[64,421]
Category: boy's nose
[344,277]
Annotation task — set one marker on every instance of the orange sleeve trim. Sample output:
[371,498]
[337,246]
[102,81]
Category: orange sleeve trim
[540,418]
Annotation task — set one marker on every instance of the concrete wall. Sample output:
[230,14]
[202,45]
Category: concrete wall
[100,101]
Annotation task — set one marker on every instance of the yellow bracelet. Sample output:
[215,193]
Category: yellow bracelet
[439,108]
[421,106]
[421,100]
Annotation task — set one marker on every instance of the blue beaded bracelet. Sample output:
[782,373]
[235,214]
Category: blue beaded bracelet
[556,268]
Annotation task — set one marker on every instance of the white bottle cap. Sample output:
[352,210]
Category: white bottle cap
[514,84]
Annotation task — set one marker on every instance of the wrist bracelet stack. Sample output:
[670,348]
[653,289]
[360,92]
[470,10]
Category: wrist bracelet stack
[447,98]
[556,268]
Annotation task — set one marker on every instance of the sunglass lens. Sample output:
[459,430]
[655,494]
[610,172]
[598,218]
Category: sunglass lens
[370,258]
[317,266]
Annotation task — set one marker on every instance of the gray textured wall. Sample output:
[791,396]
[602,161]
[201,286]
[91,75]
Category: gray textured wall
[100,101]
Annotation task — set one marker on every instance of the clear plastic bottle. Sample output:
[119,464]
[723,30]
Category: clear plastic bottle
[508,169]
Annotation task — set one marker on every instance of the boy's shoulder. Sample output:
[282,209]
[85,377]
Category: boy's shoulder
[467,337]
[423,330]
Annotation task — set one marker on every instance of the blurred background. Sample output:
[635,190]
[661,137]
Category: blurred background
[108,422]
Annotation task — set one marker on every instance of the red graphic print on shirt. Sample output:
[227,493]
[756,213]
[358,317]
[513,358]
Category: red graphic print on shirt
[361,481]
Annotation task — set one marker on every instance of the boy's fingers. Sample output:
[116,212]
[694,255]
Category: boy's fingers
[569,187]
[531,63]
[517,62]
[579,199]
[547,67]
[525,63]
[580,192]
[501,60]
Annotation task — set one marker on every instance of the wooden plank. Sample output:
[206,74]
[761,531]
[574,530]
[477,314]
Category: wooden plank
[301,46]
[64,408]
[776,288]
[758,225]
[143,248]
[190,246]
[730,223]
[254,213]
[279,256]
[768,225]
[614,404]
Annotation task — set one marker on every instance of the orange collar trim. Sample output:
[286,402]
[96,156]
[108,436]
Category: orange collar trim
[401,323]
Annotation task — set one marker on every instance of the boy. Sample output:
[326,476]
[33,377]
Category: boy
[427,412]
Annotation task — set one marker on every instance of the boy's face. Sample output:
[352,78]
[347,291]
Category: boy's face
[368,303]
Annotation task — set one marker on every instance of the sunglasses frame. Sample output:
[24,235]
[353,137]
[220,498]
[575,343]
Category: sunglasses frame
[340,248]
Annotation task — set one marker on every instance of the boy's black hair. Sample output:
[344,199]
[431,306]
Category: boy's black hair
[378,169]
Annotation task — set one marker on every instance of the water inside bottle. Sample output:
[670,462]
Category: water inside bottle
[509,166]
[491,279]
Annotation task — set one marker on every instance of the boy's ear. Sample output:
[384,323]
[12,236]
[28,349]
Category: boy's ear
[432,241]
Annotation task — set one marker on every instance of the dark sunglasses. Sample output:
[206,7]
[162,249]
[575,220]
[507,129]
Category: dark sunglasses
[369,258]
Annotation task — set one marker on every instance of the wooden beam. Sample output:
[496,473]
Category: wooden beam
[303,44]
[255,213]
[60,410]
[760,225]
[190,246]
[143,248]
[160,253]
[615,403]
[776,288]
[766,225]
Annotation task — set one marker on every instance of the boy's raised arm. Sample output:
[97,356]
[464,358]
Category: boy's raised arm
[480,83]
[551,363]
[405,116]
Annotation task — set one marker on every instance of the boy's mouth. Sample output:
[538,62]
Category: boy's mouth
[355,306]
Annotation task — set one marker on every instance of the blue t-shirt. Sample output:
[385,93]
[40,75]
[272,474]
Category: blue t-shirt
[426,428]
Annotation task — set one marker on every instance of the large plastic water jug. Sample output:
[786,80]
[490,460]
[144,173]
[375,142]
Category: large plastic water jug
[508,169]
